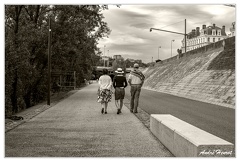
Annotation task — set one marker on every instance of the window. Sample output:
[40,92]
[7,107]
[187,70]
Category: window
[219,39]
[219,32]
[213,32]
[213,39]
[208,39]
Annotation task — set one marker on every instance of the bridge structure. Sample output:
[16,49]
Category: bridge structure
[111,72]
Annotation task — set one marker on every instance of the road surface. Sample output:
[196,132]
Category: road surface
[217,120]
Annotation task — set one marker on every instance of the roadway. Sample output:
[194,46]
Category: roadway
[217,120]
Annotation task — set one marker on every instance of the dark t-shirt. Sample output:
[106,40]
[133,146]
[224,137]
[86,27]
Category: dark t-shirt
[119,81]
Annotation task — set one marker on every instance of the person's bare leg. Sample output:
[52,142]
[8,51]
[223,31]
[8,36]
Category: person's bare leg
[103,106]
[121,104]
[106,105]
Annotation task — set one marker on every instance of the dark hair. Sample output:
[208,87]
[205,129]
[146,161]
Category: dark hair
[105,71]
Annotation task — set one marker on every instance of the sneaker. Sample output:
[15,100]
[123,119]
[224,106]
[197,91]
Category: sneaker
[135,112]
[131,111]
[105,112]
[118,111]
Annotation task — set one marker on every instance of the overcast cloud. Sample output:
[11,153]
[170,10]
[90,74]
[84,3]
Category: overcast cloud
[130,24]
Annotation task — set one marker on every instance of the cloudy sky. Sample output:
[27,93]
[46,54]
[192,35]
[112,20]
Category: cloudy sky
[130,24]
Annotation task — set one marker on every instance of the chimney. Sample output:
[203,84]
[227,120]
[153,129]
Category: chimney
[213,26]
[223,28]
[203,26]
[197,31]
[194,32]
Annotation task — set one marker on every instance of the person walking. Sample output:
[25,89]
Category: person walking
[136,80]
[119,83]
[104,90]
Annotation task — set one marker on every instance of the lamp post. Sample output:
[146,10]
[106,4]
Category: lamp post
[171,46]
[104,56]
[185,34]
[49,59]
[158,51]
[108,59]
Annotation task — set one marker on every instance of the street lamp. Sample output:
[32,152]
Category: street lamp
[108,59]
[104,56]
[158,51]
[49,59]
[171,46]
[185,34]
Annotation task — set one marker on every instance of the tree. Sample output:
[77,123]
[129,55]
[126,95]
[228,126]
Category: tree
[76,30]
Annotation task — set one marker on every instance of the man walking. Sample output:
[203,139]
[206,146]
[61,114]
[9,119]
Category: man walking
[136,80]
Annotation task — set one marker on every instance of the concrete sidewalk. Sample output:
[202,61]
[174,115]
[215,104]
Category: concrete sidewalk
[75,127]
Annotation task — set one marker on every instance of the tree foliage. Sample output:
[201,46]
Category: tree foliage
[76,30]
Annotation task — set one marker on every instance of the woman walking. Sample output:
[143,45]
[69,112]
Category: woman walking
[119,83]
[104,90]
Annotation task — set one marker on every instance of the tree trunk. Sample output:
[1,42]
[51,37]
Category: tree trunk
[15,81]
[14,93]
[27,99]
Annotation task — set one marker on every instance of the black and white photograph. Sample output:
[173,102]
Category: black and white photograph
[119,80]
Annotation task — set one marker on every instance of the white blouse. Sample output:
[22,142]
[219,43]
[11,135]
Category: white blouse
[105,82]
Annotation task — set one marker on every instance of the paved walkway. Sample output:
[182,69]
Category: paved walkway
[75,128]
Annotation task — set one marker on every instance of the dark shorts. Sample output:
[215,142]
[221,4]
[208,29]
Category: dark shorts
[119,93]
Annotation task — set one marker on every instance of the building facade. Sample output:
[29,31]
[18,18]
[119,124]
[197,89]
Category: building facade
[118,57]
[232,30]
[105,61]
[198,38]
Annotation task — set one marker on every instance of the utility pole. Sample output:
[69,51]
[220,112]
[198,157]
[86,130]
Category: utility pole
[171,46]
[108,59]
[104,56]
[158,51]
[185,34]
[49,59]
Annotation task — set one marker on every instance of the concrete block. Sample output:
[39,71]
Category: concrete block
[186,140]
[167,136]
[183,147]
[154,127]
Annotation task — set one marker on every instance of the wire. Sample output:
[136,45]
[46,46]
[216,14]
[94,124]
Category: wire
[172,24]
